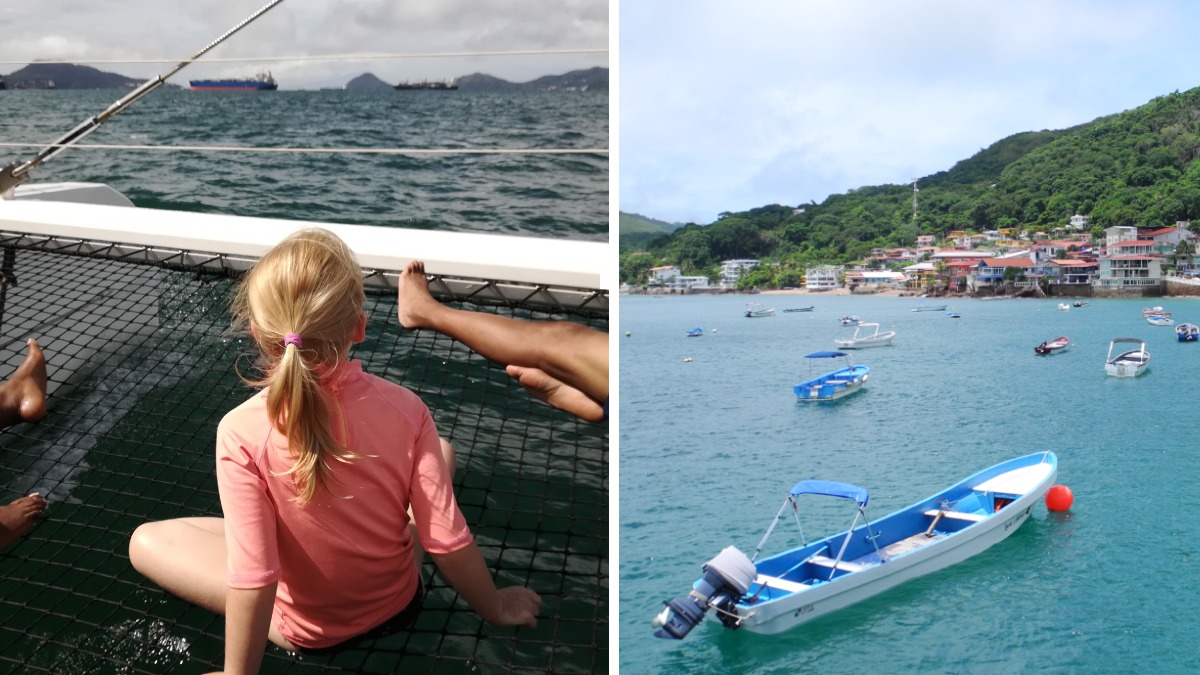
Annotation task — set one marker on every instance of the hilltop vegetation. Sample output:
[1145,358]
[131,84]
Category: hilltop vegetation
[636,231]
[1137,168]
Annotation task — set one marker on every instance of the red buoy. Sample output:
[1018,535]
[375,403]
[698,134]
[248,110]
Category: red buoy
[1059,498]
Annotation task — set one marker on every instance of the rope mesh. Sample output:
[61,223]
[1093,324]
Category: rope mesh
[141,369]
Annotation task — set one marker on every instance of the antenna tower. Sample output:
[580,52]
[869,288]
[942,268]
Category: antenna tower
[914,182]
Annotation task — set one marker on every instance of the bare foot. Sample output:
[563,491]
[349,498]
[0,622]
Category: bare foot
[414,303]
[23,396]
[18,517]
[545,388]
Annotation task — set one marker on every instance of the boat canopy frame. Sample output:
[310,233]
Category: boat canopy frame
[823,488]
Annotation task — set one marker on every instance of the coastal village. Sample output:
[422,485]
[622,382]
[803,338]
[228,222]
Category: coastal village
[1128,262]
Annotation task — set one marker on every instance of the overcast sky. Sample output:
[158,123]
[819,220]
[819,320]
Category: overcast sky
[729,106]
[78,30]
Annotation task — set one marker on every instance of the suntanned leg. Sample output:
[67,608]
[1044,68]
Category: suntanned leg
[186,557]
[569,352]
[23,395]
[19,516]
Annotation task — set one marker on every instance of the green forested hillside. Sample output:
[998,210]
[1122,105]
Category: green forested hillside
[636,231]
[1138,167]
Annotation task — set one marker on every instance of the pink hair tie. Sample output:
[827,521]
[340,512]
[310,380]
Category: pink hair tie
[292,339]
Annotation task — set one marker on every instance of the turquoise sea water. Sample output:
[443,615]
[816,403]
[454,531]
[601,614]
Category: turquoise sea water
[521,194]
[709,448]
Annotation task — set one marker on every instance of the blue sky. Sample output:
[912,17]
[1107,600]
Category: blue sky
[729,106]
[78,31]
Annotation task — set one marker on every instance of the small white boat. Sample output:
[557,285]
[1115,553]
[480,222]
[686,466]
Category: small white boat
[755,310]
[832,385]
[801,309]
[1080,303]
[1064,307]
[1146,311]
[850,320]
[785,590]
[1187,332]
[953,314]
[1127,362]
[1159,320]
[867,335]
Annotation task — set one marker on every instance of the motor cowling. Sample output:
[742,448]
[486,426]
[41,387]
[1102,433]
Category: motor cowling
[726,578]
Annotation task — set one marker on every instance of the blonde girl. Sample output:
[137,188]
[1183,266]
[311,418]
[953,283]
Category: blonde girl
[333,482]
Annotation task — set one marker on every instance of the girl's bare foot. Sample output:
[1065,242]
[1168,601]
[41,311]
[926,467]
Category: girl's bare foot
[18,517]
[414,303]
[23,395]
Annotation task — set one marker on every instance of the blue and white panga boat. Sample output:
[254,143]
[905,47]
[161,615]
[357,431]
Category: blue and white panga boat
[785,590]
[832,385]
[1187,332]
[696,332]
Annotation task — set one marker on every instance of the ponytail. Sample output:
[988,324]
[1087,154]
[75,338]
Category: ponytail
[311,284]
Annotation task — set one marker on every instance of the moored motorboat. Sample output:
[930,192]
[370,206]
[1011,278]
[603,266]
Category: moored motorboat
[1127,362]
[696,332]
[834,384]
[1146,311]
[1187,332]
[755,310]
[1058,344]
[785,590]
[800,309]
[867,335]
[1064,307]
[850,320]
[1159,320]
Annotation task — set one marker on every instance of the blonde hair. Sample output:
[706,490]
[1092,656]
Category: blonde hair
[309,285]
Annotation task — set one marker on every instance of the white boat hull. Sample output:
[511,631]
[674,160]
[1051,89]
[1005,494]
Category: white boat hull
[813,603]
[916,556]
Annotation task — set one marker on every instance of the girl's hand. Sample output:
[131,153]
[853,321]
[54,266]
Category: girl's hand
[518,607]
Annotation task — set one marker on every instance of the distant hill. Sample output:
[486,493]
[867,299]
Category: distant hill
[367,82]
[637,232]
[632,223]
[592,79]
[68,76]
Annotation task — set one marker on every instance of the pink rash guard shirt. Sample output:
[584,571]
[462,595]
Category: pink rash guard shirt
[344,562]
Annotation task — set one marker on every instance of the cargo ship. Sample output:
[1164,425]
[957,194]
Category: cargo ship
[447,85]
[260,82]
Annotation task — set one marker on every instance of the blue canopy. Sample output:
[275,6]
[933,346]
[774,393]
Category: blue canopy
[831,489]
[825,355]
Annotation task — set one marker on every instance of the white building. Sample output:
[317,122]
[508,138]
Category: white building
[732,270]
[822,278]
[1079,222]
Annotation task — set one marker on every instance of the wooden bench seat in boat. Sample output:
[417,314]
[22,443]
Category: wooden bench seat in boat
[960,515]
[780,584]
[846,565]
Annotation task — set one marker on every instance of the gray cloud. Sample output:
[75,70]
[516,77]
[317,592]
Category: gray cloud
[75,31]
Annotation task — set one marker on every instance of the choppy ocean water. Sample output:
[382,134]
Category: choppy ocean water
[540,195]
[708,449]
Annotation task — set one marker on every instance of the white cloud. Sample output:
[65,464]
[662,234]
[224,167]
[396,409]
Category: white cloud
[731,107]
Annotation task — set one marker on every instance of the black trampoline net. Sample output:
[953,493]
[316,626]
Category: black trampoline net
[141,369]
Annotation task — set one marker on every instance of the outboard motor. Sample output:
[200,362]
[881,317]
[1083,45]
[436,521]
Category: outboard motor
[726,578]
